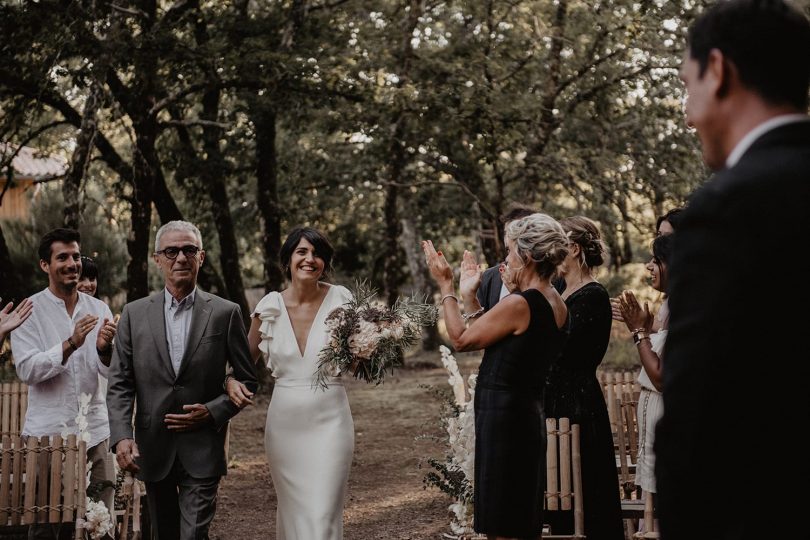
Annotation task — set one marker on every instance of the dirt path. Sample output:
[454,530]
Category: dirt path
[386,497]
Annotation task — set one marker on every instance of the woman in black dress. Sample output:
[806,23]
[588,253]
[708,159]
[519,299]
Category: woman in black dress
[521,335]
[573,391]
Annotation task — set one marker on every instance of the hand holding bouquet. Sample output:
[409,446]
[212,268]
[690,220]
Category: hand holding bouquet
[369,338]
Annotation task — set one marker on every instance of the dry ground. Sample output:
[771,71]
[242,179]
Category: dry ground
[386,498]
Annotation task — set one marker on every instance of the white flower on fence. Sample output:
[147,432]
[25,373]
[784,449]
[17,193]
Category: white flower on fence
[81,420]
[97,521]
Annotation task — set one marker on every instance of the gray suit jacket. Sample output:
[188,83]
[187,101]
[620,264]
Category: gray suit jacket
[141,370]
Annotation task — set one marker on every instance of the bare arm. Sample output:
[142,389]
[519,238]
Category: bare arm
[636,318]
[504,319]
[238,392]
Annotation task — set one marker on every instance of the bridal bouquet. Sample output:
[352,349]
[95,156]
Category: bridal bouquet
[368,338]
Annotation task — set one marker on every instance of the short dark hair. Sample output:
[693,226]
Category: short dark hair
[767,40]
[56,235]
[89,268]
[516,211]
[323,248]
[673,217]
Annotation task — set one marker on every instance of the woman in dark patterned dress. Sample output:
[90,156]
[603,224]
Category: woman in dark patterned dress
[573,391]
[521,335]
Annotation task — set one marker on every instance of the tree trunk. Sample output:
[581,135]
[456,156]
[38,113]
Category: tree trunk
[72,183]
[138,239]
[391,262]
[264,120]
[168,210]
[422,283]
[214,174]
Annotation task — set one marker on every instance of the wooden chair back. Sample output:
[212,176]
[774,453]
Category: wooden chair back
[42,482]
[564,474]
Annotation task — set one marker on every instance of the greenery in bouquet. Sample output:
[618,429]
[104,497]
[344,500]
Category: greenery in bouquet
[369,338]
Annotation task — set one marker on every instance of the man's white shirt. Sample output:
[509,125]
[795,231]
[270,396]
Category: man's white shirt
[54,389]
[751,137]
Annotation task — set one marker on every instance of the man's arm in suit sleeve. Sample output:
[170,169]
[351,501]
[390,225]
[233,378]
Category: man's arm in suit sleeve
[243,369]
[121,384]
[483,291]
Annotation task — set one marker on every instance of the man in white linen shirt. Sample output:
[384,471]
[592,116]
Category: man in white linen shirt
[59,352]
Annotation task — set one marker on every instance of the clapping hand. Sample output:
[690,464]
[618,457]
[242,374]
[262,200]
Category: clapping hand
[9,320]
[105,335]
[633,314]
[197,415]
[470,278]
[437,264]
[83,327]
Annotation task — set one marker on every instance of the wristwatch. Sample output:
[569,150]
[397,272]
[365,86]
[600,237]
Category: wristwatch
[639,335]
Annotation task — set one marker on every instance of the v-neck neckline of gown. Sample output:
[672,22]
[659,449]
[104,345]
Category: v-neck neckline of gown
[292,328]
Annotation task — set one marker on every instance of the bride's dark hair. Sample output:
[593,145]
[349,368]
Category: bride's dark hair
[323,248]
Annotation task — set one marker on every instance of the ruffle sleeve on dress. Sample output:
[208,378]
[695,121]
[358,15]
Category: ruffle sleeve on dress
[268,310]
[343,295]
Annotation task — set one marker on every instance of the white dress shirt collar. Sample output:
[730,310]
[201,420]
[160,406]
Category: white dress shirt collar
[766,126]
[185,303]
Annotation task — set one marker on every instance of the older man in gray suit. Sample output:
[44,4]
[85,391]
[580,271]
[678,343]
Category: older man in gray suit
[171,354]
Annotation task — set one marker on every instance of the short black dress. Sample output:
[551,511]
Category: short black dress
[510,427]
[573,391]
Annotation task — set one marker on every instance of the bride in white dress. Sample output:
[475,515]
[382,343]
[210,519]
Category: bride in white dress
[309,434]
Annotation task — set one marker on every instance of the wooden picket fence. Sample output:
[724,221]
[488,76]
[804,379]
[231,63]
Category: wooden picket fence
[13,405]
[42,481]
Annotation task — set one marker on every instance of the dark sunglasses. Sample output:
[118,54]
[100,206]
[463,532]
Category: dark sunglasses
[172,252]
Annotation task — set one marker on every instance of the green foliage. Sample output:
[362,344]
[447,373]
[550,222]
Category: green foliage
[464,106]
[449,480]
[103,239]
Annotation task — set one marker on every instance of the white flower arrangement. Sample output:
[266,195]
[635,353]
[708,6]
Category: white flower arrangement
[368,338]
[97,520]
[455,475]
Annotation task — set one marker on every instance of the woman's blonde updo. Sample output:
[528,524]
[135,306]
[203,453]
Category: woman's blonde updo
[584,232]
[541,239]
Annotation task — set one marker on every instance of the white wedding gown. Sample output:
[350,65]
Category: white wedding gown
[309,434]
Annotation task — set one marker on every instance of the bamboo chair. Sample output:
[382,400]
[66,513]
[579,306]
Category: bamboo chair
[564,474]
[42,482]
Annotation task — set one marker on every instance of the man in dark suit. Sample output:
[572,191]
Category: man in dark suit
[492,289]
[171,354]
[727,451]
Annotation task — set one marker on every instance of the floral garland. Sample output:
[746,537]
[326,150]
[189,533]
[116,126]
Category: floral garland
[97,521]
[455,474]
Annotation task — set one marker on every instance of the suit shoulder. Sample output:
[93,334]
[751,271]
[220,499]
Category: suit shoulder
[139,304]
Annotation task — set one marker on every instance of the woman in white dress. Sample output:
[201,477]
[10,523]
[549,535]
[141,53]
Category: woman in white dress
[309,434]
[650,346]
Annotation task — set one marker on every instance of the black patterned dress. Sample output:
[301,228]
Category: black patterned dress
[573,391]
[510,427]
